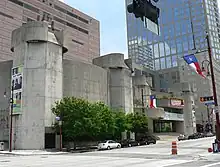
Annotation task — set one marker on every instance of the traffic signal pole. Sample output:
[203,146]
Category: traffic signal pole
[214,90]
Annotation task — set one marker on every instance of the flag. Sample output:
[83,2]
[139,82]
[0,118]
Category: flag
[192,61]
[153,101]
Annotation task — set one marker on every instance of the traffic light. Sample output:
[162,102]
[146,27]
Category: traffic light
[144,8]
[207,98]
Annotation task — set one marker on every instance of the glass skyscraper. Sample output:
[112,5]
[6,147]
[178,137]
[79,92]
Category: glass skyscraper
[182,25]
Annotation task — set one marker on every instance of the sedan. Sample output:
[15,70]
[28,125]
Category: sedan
[129,143]
[108,144]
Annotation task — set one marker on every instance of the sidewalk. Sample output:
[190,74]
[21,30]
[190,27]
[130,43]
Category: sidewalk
[31,152]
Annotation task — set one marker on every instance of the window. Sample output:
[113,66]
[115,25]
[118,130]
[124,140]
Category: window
[167,48]
[185,43]
[174,61]
[179,45]
[16,2]
[168,61]
[162,63]
[71,14]
[157,64]
[156,51]
[70,25]
[173,47]
[31,8]
[161,46]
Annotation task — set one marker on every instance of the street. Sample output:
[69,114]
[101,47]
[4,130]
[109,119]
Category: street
[191,153]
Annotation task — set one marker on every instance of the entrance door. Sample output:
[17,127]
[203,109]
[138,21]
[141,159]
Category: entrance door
[50,140]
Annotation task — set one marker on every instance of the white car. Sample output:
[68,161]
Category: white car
[108,144]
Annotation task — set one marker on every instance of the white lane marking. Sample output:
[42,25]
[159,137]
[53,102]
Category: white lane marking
[217,163]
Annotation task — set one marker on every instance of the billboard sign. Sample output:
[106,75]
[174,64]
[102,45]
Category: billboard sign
[17,78]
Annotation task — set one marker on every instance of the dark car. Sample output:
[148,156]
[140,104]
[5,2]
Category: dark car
[129,143]
[147,140]
[195,136]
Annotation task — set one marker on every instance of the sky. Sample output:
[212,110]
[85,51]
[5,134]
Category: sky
[111,14]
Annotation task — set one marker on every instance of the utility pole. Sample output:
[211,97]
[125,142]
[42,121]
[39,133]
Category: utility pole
[11,120]
[142,100]
[214,89]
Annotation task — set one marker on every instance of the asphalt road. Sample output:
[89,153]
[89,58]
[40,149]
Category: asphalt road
[192,153]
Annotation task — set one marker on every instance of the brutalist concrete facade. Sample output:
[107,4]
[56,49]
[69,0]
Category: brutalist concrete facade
[47,77]
[39,52]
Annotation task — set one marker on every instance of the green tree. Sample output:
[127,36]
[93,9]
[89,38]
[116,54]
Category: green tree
[83,120]
[121,123]
[79,120]
[138,122]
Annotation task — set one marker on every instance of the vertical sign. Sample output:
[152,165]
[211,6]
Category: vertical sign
[17,78]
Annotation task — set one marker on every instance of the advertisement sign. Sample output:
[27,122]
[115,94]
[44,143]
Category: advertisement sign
[17,78]
[176,102]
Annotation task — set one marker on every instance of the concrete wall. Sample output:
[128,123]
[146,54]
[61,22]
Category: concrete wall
[40,54]
[119,79]
[5,81]
[85,81]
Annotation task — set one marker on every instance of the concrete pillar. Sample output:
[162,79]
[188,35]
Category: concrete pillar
[38,51]
[119,81]
[150,125]
[188,110]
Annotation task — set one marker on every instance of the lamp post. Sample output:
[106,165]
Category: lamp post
[11,113]
[60,129]
[210,63]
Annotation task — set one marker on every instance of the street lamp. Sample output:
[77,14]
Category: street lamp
[59,119]
[11,113]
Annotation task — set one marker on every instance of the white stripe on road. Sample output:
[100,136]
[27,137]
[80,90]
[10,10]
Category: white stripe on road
[209,165]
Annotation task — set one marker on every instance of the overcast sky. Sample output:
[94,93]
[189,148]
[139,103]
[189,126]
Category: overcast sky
[111,14]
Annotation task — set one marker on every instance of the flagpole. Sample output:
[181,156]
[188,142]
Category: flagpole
[214,89]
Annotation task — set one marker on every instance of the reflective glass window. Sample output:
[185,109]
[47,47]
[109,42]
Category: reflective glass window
[168,62]
[174,61]
[162,63]
[161,46]
[185,43]
[167,48]
[179,45]
[173,47]
[157,64]
[156,51]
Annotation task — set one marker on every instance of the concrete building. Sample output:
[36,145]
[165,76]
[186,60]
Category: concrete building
[183,26]
[81,32]
[47,77]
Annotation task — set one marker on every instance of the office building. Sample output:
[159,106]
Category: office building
[81,31]
[183,25]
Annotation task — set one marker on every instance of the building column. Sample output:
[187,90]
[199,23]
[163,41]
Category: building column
[188,110]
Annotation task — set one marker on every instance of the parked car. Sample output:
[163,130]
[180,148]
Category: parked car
[195,136]
[147,140]
[182,137]
[108,144]
[209,134]
[129,143]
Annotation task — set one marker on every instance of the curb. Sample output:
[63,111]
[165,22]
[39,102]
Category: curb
[34,154]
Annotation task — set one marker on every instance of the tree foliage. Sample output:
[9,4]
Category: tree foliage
[83,120]
[138,122]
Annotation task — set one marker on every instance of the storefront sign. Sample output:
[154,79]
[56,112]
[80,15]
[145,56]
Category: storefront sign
[176,102]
